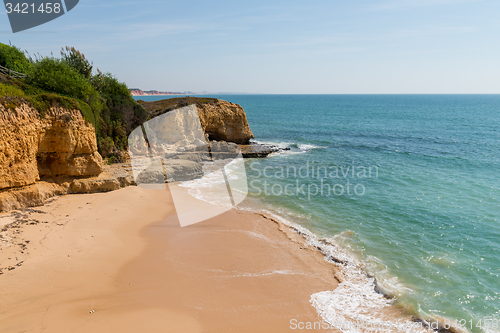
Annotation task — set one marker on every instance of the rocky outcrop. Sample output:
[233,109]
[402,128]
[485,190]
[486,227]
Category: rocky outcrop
[220,120]
[29,196]
[58,144]
[259,150]
[169,171]
[61,143]
[19,138]
[67,146]
[56,154]
[225,121]
[112,178]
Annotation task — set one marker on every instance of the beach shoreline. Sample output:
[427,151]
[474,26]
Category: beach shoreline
[92,263]
[120,261]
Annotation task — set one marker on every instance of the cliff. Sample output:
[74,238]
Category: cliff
[61,143]
[220,120]
[55,153]
[45,155]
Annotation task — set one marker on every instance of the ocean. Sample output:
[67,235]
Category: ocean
[406,186]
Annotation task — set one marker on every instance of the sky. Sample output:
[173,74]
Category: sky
[282,47]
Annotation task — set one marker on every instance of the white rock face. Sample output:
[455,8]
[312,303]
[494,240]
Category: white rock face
[180,127]
[170,148]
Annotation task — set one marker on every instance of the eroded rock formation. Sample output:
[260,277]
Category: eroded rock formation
[225,121]
[56,154]
[61,143]
[220,120]
[112,178]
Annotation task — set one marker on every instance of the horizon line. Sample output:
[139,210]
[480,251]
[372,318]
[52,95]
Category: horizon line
[260,93]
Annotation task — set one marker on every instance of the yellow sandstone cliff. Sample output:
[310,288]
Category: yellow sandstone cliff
[61,143]
[56,153]
[220,120]
[225,121]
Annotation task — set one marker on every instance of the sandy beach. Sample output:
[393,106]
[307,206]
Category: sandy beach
[120,262]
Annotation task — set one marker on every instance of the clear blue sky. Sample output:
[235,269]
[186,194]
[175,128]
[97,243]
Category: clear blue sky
[332,46]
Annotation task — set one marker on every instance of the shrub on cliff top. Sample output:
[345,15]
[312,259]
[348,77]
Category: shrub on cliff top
[121,113]
[68,82]
[76,60]
[13,58]
[120,106]
[57,76]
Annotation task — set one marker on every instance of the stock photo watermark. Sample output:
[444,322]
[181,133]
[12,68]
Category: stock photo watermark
[172,149]
[387,327]
[365,326]
[310,180]
[27,14]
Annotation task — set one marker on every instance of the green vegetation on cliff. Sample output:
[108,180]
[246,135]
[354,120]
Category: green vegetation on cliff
[69,82]
[13,58]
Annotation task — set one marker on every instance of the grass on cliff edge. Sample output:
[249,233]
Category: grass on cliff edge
[12,95]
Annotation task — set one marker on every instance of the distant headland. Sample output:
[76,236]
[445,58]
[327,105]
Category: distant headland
[139,92]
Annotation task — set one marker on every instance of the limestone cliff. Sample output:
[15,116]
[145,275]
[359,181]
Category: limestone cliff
[220,120]
[61,143]
[225,121]
[56,153]
[58,144]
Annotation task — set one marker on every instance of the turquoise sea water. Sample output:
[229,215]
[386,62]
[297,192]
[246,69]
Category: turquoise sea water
[422,208]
